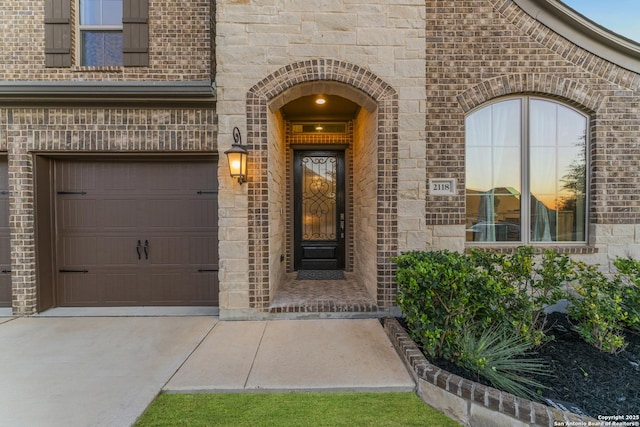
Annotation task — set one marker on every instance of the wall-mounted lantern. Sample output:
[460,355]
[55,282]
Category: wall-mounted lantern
[237,157]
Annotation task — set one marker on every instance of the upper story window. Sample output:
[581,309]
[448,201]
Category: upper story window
[109,33]
[100,29]
[526,163]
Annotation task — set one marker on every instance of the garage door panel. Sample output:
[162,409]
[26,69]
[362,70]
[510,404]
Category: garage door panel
[5,249]
[194,250]
[117,178]
[119,251]
[122,289]
[76,177]
[119,214]
[5,240]
[80,289]
[204,212]
[178,180]
[168,251]
[171,288]
[167,213]
[204,249]
[5,288]
[77,213]
[89,213]
[181,213]
[183,178]
[169,207]
[79,251]
[86,251]
[4,210]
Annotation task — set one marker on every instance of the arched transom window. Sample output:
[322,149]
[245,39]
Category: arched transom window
[526,181]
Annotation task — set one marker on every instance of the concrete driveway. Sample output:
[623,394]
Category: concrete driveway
[89,371]
[104,371]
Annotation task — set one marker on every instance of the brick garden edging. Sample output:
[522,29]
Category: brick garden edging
[468,402]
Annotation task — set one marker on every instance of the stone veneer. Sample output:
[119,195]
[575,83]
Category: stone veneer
[269,52]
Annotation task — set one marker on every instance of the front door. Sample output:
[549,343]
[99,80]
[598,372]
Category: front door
[319,224]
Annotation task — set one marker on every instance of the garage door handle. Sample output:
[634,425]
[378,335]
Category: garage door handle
[146,249]
[73,271]
[138,248]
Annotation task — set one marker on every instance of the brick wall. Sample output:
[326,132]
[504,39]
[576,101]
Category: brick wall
[70,130]
[483,49]
[179,44]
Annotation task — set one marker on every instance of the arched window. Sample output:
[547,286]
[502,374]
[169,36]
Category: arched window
[526,181]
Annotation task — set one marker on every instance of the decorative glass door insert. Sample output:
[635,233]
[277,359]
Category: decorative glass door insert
[319,209]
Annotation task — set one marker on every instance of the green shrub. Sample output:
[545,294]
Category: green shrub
[439,293]
[503,358]
[629,269]
[596,306]
[535,285]
[442,292]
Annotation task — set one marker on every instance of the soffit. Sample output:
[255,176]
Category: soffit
[305,108]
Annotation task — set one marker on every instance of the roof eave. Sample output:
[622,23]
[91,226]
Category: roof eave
[584,32]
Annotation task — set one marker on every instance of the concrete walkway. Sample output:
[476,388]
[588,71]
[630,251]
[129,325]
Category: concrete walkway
[104,371]
[294,355]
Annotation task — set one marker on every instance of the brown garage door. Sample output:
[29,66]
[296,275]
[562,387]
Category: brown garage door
[137,233]
[5,246]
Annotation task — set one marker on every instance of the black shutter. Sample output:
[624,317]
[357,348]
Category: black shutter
[135,33]
[57,33]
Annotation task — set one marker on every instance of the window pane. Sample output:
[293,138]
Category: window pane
[505,123]
[493,216]
[111,12]
[319,194]
[493,173]
[557,172]
[90,13]
[100,12]
[100,48]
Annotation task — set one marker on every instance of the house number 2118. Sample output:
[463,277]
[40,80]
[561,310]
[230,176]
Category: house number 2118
[442,186]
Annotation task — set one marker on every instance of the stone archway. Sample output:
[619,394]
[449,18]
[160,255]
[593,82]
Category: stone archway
[364,88]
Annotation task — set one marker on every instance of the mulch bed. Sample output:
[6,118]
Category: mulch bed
[598,383]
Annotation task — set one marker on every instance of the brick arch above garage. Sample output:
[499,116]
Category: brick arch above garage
[369,91]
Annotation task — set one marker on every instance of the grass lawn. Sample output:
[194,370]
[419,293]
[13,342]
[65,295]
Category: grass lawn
[292,409]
